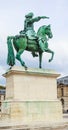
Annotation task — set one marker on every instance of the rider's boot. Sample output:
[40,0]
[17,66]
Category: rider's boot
[34,54]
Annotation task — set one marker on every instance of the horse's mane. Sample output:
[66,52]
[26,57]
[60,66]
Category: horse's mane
[40,30]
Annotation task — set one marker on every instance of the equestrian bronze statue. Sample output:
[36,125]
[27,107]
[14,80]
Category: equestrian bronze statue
[29,40]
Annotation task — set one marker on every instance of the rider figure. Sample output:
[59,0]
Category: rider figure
[29,28]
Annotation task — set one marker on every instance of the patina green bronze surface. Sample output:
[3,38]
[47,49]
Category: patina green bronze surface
[30,41]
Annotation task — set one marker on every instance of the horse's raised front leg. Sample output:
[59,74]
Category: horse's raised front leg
[50,51]
[18,57]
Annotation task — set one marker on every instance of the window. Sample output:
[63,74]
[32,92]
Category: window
[62,92]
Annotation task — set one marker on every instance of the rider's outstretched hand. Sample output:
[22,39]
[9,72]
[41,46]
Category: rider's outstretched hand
[43,17]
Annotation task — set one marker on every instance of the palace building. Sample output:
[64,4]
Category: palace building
[2,95]
[62,92]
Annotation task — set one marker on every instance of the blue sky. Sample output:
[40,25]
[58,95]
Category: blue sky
[12,15]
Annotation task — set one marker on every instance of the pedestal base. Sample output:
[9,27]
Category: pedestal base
[31,95]
[32,111]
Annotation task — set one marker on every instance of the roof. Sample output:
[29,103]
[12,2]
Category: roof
[63,80]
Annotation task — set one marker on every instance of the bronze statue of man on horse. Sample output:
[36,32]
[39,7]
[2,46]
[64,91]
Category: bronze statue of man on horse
[29,29]
[29,40]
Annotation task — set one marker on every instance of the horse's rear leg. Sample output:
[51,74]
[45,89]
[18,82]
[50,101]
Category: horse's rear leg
[18,57]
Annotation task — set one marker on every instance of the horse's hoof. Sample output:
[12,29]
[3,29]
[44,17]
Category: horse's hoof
[25,67]
[49,60]
[10,68]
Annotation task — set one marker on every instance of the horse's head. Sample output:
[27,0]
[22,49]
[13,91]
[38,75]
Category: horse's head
[48,31]
[45,30]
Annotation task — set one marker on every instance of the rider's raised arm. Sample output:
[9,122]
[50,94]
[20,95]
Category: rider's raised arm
[36,19]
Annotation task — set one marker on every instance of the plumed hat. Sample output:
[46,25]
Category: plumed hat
[29,15]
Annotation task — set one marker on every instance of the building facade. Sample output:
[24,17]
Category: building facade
[62,92]
[2,95]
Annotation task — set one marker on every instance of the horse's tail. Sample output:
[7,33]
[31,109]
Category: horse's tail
[10,57]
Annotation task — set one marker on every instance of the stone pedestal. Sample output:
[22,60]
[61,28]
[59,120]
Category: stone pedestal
[31,95]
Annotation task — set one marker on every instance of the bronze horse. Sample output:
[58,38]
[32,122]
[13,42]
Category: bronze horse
[22,43]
